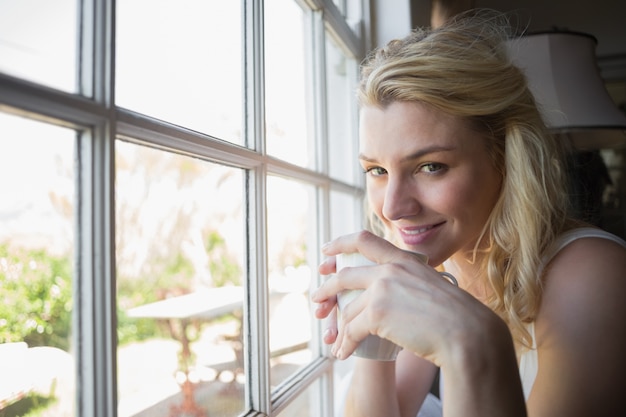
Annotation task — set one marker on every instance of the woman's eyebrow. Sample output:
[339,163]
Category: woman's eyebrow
[362,157]
[415,155]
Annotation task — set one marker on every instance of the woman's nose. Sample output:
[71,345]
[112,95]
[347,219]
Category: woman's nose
[401,200]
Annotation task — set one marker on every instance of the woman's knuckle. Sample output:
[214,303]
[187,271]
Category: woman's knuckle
[364,236]
[377,311]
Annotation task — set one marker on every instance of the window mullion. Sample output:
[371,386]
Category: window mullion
[323,195]
[95,305]
[95,311]
[256,317]
[254,74]
[22,97]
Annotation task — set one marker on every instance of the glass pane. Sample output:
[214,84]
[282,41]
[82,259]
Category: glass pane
[38,41]
[292,261]
[181,62]
[346,214]
[342,144]
[180,265]
[36,268]
[288,111]
[307,404]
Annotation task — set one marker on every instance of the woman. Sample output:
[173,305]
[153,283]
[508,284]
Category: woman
[460,167]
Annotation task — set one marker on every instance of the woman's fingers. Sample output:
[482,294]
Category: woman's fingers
[369,245]
[352,327]
[328,266]
[331,331]
[325,307]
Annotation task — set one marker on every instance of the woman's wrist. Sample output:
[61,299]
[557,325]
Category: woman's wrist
[373,389]
[481,376]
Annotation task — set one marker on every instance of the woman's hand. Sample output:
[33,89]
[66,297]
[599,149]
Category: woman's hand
[405,300]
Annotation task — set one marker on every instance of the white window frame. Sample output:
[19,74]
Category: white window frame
[99,123]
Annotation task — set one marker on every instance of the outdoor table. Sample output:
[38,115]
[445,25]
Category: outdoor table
[203,304]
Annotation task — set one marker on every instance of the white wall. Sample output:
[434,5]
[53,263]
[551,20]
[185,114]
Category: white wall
[392,20]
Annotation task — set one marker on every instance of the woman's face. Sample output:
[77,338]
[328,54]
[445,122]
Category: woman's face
[430,178]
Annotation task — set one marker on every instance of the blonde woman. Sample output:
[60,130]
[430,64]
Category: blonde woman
[459,166]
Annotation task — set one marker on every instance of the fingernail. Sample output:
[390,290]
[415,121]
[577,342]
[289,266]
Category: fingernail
[327,334]
[330,332]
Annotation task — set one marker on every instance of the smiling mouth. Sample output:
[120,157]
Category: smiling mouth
[414,232]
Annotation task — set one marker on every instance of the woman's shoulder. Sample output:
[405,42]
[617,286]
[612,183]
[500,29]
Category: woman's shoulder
[584,254]
[584,281]
[586,238]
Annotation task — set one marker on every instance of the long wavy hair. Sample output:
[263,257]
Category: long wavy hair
[462,68]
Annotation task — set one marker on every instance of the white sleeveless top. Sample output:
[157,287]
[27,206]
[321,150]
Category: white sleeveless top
[529,363]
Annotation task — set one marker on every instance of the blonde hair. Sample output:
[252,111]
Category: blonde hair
[462,68]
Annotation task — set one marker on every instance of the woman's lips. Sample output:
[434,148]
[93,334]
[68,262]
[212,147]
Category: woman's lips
[418,235]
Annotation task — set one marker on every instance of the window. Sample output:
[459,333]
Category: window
[169,172]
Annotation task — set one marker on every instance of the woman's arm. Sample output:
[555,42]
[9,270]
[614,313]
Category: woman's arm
[480,373]
[472,345]
[581,333]
[373,391]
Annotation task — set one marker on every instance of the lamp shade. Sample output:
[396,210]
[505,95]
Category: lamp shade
[564,78]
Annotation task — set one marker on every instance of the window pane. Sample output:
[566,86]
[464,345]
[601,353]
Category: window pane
[342,152]
[307,404]
[345,214]
[292,248]
[354,12]
[180,266]
[36,268]
[38,40]
[181,62]
[287,75]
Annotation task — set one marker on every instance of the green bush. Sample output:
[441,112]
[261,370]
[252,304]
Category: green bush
[37,292]
[33,405]
[36,288]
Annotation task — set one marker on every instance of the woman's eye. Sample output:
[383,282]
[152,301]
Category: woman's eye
[375,171]
[431,167]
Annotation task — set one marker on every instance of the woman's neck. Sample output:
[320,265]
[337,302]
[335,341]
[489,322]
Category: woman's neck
[466,269]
